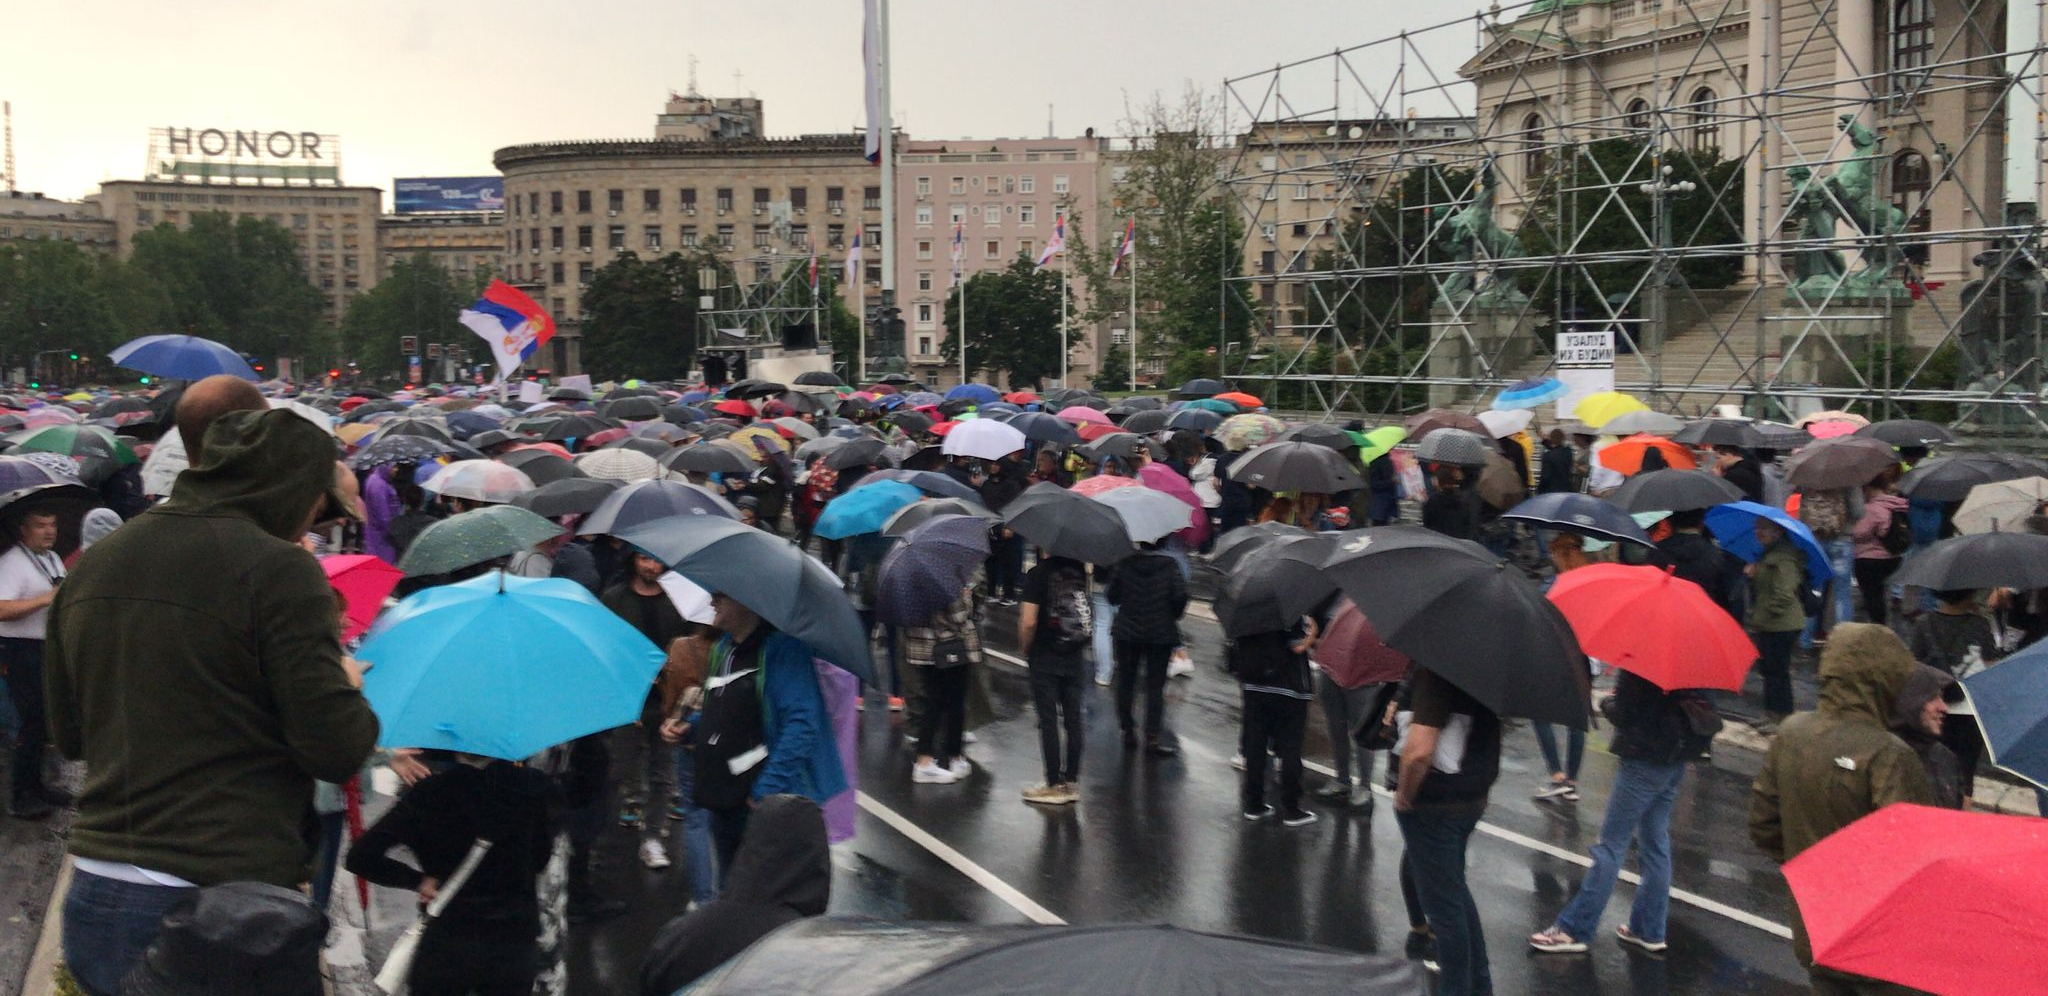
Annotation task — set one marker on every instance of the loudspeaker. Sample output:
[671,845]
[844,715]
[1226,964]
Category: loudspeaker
[802,335]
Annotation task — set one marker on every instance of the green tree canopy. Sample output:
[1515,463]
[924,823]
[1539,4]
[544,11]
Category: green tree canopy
[238,281]
[641,317]
[419,297]
[1015,323]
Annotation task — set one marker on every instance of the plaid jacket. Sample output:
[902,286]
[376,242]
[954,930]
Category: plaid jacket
[960,620]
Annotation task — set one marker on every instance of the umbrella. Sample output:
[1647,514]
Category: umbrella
[1241,399]
[1601,407]
[18,472]
[1044,428]
[1118,444]
[1295,467]
[575,427]
[706,458]
[1869,893]
[1841,462]
[98,453]
[541,466]
[1065,524]
[1101,483]
[1782,437]
[1456,447]
[1021,398]
[802,429]
[637,409]
[1734,527]
[820,447]
[431,428]
[1380,442]
[1627,455]
[859,453]
[186,357]
[929,569]
[1978,561]
[1531,393]
[653,448]
[2001,506]
[485,481]
[930,482]
[1145,403]
[911,422]
[753,388]
[1952,478]
[566,496]
[1321,434]
[1719,432]
[618,465]
[1674,491]
[643,502]
[1907,432]
[1242,432]
[821,378]
[1502,424]
[1240,543]
[1654,625]
[1831,428]
[1832,415]
[116,406]
[1202,387]
[789,589]
[1271,592]
[468,423]
[1148,515]
[481,441]
[562,393]
[1192,419]
[1157,419]
[894,378]
[811,404]
[1500,484]
[979,394]
[1165,480]
[1211,405]
[1078,414]
[682,414]
[504,667]
[364,582]
[863,509]
[2012,712]
[475,537]
[986,439]
[389,450]
[1580,514]
[1652,423]
[1421,425]
[1351,653]
[1464,614]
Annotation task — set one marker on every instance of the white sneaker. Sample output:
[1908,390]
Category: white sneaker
[1237,760]
[961,768]
[653,855]
[1180,665]
[929,773]
[969,738]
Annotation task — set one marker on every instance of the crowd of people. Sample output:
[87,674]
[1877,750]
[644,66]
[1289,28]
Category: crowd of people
[941,515]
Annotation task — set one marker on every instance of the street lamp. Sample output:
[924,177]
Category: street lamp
[1660,192]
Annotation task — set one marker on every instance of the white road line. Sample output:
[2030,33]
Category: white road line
[961,863]
[1693,899]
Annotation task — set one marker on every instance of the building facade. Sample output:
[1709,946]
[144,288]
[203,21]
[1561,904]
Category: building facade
[468,244]
[27,217]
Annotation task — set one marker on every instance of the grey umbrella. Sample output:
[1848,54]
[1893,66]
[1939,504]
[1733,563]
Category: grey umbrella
[636,409]
[857,453]
[1148,420]
[820,447]
[1321,434]
[1271,592]
[567,496]
[540,465]
[705,458]
[1239,544]
[1979,560]
[1457,447]
[1841,462]
[1950,478]
[929,569]
[1148,515]
[1065,524]
[918,512]
[1630,423]
[1119,444]
[639,444]
[1720,432]
[1295,466]
[1674,490]
[1196,419]
[644,502]
[475,537]
[1907,432]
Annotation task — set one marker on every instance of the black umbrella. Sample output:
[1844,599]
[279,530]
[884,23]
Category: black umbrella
[754,389]
[1782,437]
[927,458]
[1674,491]
[1065,524]
[1583,515]
[1119,444]
[640,444]
[914,514]
[575,427]
[1194,419]
[1321,434]
[1145,403]
[1720,432]
[631,392]
[930,482]
[399,449]
[705,458]
[1468,616]
[494,437]
[930,568]
[808,404]
[116,406]
[815,448]
[543,466]
[682,414]
[1240,543]
[568,394]
[1044,427]
[370,408]
[1090,401]
[1978,561]
[1950,478]
[643,502]
[1202,387]
[1295,466]
[567,496]
[820,378]
[1841,462]
[911,422]
[1907,432]
[635,409]
[894,379]
[1148,420]
[1272,591]
[858,453]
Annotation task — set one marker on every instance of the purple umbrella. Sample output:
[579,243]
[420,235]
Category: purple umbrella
[929,568]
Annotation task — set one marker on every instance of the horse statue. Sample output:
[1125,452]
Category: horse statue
[1470,236]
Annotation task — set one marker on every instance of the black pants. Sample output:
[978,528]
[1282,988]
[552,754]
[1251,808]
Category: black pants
[1963,737]
[1274,721]
[1150,659]
[25,686]
[945,712]
[1005,566]
[1774,662]
[1056,693]
[1873,579]
[460,960]
[728,828]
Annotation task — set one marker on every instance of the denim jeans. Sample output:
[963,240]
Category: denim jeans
[1638,810]
[1574,749]
[1436,854]
[1105,649]
[1841,553]
[108,925]
[697,854]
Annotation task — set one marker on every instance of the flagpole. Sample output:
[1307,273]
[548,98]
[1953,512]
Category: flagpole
[816,329]
[1133,244]
[1063,313]
[887,249]
[962,277]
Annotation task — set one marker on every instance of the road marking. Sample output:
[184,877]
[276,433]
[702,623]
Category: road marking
[961,863]
[1693,899]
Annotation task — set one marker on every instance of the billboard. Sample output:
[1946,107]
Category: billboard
[415,195]
[231,155]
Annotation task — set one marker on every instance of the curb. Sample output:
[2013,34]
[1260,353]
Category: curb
[41,978]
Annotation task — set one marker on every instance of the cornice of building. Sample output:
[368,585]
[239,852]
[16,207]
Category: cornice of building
[537,153]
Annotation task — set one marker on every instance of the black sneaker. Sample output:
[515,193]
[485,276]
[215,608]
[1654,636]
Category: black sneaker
[1419,943]
[595,910]
[1297,818]
[1158,747]
[629,816]
[30,807]
[1255,815]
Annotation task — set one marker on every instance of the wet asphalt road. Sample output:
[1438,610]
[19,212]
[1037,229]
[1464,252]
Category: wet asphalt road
[1160,840]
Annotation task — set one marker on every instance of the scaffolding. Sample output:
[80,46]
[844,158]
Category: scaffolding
[1770,205]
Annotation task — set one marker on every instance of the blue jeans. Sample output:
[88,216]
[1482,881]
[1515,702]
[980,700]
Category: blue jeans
[1105,650]
[1436,854]
[698,858]
[1639,810]
[108,925]
[1842,560]
[1574,749]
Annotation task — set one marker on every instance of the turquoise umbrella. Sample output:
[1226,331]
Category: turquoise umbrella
[1212,405]
[864,509]
[504,667]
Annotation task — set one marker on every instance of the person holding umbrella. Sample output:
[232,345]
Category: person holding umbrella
[646,762]
[947,646]
[1776,615]
[1273,675]
[1149,595]
[1957,639]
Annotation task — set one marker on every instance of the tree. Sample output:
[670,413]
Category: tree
[642,317]
[1113,373]
[419,297]
[239,281]
[53,296]
[1016,314]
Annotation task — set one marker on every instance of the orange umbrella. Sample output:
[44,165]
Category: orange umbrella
[1241,399]
[1626,456]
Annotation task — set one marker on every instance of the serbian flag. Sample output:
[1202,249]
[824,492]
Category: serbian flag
[1130,246]
[959,249]
[512,324]
[1055,245]
[814,274]
[853,261]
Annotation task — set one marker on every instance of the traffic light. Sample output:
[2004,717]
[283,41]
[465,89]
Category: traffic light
[74,356]
[333,372]
[409,345]
[145,380]
[36,385]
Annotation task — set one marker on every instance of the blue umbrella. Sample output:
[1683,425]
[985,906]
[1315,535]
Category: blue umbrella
[2013,713]
[930,482]
[692,397]
[1584,515]
[980,394]
[186,357]
[890,402]
[1531,393]
[465,423]
[997,408]
[863,509]
[918,399]
[768,574]
[1734,527]
[930,568]
[504,667]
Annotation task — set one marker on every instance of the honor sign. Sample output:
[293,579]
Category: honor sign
[229,155]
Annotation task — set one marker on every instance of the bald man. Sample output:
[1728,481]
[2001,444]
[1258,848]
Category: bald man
[207,400]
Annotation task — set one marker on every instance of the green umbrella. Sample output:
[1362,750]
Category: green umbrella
[476,537]
[96,450]
[1213,405]
[1379,442]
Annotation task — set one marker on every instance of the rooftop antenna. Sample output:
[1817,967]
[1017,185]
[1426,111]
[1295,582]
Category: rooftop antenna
[1049,132]
[736,88]
[7,113]
[693,77]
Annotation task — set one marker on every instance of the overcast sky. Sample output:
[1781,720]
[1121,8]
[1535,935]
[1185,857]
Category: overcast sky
[419,88]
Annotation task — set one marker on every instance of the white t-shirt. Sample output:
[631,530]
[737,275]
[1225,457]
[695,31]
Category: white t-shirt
[24,575]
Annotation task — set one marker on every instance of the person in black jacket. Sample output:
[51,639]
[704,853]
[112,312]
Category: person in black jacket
[1695,557]
[1272,671]
[1150,595]
[1554,470]
[782,873]
[1004,482]
[1454,509]
[1653,739]
[1739,468]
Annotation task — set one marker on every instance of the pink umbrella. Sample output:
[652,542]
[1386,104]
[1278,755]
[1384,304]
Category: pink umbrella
[1078,414]
[1831,428]
[1160,477]
[1101,482]
[1351,653]
[364,581]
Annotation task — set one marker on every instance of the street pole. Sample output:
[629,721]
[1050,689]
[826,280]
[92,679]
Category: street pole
[1134,314]
[1063,316]
[962,278]
[887,249]
[861,294]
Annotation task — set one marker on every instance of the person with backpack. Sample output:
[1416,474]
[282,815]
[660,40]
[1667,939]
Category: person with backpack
[1777,613]
[1831,513]
[1655,734]
[1150,595]
[1881,535]
[1272,672]
[1055,625]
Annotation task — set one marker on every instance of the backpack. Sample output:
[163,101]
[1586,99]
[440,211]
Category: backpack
[1069,614]
[1697,721]
[1824,512]
[1897,537]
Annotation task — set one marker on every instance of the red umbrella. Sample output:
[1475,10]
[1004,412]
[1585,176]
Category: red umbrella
[1627,455]
[1021,398]
[881,389]
[734,406]
[1351,653]
[1870,894]
[1096,485]
[365,582]
[1160,477]
[1241,400]
[941,428]
[1092,431]
[599,438]
[555,448]
[1654,625]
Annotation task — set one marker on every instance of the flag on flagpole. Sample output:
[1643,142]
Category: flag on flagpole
[853,261]
[1130,246]
[814,273]
[871,55]
[1055,245]
[513,325]
[959,250]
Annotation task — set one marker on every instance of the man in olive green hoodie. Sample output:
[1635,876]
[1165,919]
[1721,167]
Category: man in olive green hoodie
[193,665]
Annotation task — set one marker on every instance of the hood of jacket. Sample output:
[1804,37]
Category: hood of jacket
[784,860]
[1862,672]
[269,467]
[1923,684]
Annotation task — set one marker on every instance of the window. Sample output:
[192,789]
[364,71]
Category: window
[835,236]
[1912,43]
[725,236]
[1027,184]
[1024,248]
[924,214]
[871,239]
[557,273]
[761,200]
[1267,260]
[924,249]
[835,199]
[799,199]
[924,186]
[1059,183]
[1533,161]
[583,237]
[992,214]
[724,199]
[871,199]
[515,207]
[992,249]
[1706,131]
[958,185]
[584,271]
[924,345]
[686,199]
[554,202]
[872,273]
[762,235]
[615,236]
[990,184]
[327,241]
[555,238]
[1639,115]
[1911,179]
[1301,191]
[1301,231]
[924,280]
[687,238]
[1027,214]
[651,235]
[615,201]
[650,200]
[800,236]
[583,202]
[956,213]
[924,316]
[1009,184]
[1266,295]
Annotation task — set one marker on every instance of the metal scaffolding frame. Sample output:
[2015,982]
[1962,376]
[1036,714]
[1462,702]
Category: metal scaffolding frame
[1391,318]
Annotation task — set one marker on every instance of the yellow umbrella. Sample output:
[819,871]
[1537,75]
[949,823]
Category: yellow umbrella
[1602,407]
[769,437]
[740,447]
[78,396]
[354,432]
